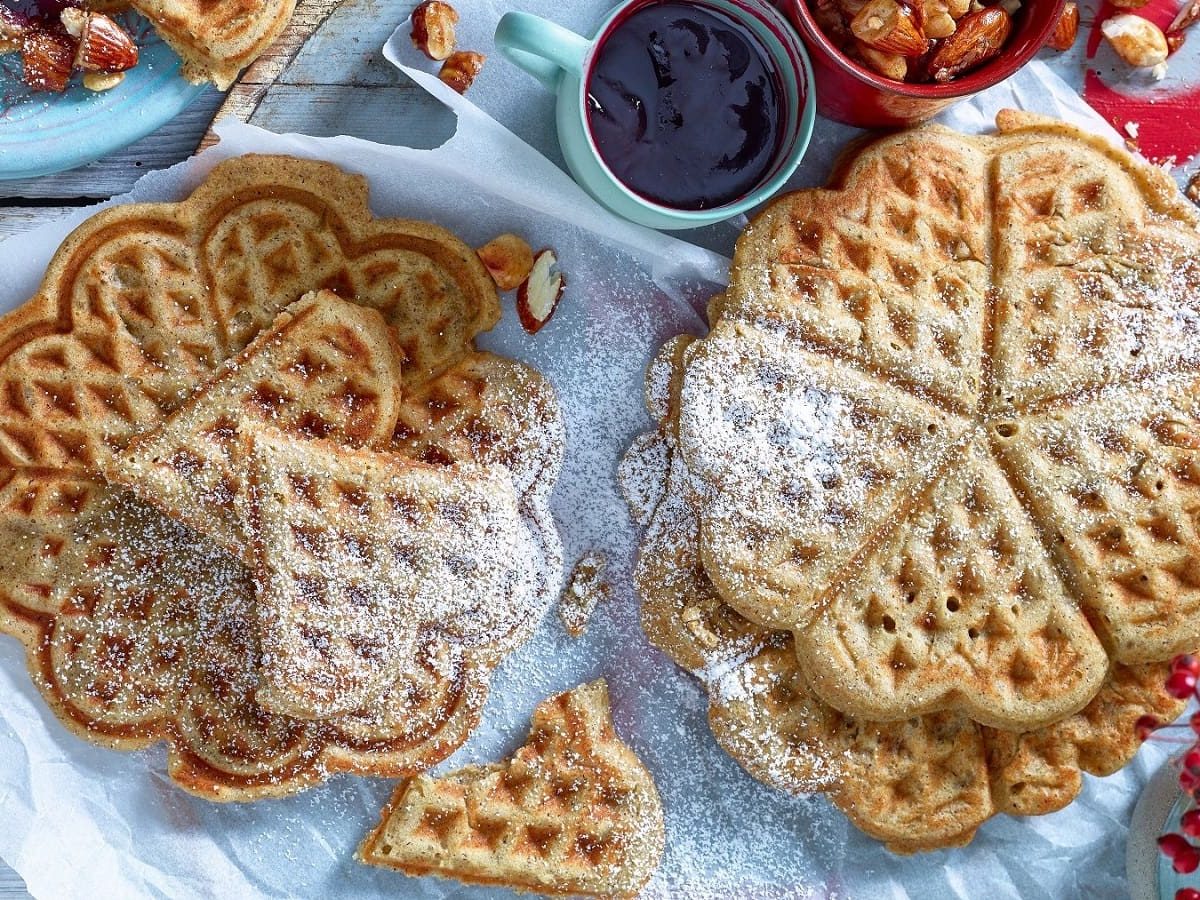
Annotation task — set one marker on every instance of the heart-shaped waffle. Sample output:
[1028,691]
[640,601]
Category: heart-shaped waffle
[943,426]
[326,368]
[918,784]
[356,551]
[138,632]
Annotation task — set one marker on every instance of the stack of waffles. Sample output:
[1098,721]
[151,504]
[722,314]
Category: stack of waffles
[922,508]
[261,498]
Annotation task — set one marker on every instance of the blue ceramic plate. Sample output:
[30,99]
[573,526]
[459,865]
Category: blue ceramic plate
[42,133]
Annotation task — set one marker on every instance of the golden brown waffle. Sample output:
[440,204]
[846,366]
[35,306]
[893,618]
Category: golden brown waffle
[142,303]
[104,626]
[573,812]
[941,426]
[327,368]
[918,784]
[215,38]
[356,551]
[137,631]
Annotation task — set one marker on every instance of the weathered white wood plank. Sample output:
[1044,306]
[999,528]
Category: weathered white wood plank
[116,174]
[16,219]
[11,885]
[388,114]
[348,48]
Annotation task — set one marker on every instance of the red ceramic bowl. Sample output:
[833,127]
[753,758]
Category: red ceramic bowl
[851,93]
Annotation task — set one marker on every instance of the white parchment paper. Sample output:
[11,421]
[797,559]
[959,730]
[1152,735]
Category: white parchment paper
[79,821]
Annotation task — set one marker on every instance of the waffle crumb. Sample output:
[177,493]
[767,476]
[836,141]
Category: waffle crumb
[585,589]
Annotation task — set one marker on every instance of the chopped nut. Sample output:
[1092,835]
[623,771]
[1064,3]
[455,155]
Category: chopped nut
[1067,29]
[693,620]
[102,81]
[509,259]
[1193,189]
[461,69]
[433,28]
[941,16]
[1136,40]
[537,298]
[980,37]
[585,589]
[887,26]
[104,46]
[889,65]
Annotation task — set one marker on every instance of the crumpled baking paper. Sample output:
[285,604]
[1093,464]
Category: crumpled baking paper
[76,820]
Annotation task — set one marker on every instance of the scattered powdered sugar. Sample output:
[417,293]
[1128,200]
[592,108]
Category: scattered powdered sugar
[760,427]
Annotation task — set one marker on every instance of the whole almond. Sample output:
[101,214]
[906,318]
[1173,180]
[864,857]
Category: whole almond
[1067,29]
[979,38]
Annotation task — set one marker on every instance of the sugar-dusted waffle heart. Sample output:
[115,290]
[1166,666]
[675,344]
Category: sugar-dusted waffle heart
[943,426]
[573,812]
[326,368]
[918,784]
[356,552]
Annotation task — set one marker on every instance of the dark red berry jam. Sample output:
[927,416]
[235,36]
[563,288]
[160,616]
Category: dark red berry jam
[45,12]
[686,106]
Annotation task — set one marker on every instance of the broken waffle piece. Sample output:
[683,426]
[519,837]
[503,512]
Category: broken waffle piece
[585,589]
[328,368]
[356,551]
[572,813]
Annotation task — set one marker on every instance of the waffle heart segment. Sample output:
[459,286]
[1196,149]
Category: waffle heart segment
[327,368]
[572,813]
[357,551]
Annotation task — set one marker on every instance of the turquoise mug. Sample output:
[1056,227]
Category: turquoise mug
[563,61]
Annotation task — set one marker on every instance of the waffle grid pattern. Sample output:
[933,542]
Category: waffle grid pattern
[1014,321]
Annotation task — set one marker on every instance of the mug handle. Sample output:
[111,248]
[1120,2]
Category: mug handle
[540,47]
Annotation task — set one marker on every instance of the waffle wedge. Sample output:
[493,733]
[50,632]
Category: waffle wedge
[573,812]
[327,368]
[355,551]
[216,39]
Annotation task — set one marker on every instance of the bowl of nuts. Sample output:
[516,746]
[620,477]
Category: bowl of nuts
[889,63]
